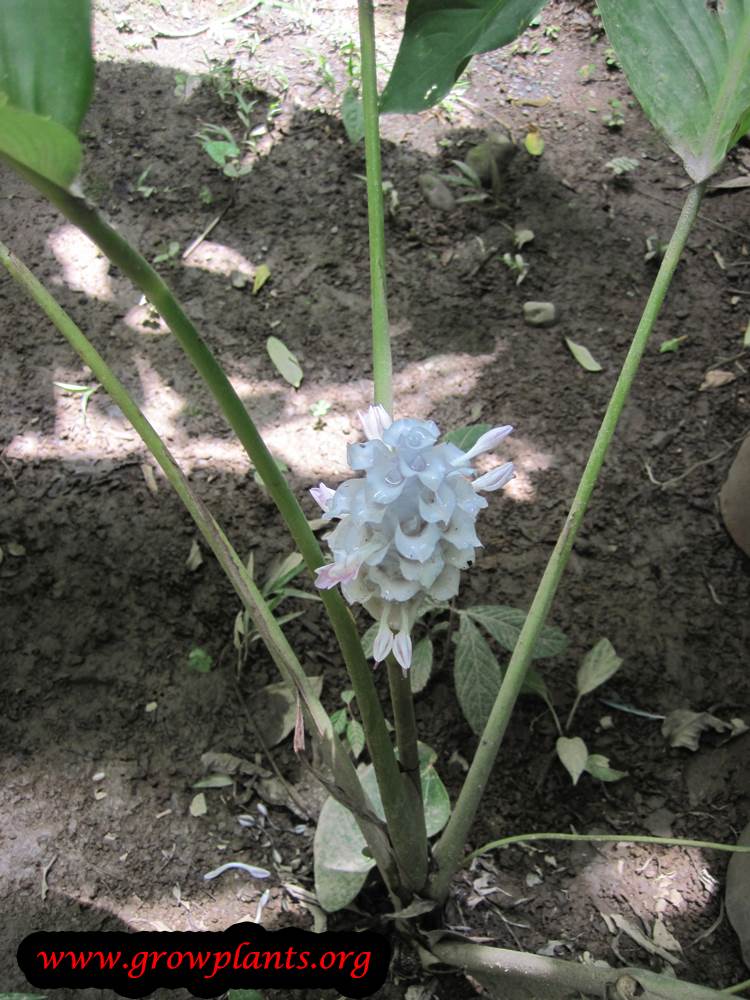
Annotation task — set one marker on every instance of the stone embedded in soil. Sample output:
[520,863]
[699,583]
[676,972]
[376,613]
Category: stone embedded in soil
[489,157]
[734,498]
[436,193]
[539,313]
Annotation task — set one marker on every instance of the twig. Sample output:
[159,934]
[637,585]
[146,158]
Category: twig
[206,232]
[696,465]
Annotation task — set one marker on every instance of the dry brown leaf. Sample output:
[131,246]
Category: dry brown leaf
[683,728]
[734,498]
[716,378]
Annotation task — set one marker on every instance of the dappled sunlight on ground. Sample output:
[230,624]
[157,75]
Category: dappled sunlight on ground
[84,266]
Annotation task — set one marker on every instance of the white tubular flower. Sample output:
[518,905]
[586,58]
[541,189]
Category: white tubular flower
[406,528]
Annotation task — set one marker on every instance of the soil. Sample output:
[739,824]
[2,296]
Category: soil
[106,723]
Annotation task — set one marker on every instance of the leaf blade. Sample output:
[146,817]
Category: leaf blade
[284,361]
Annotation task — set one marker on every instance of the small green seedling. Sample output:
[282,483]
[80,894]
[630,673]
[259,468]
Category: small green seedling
[144,190]
[516,263]
[84,391]
[200,660]
[552,31]
[586,72]
[168,256]
[344,724]
[204,195]
[226,152]
[615,119]
[610,59]
[621,166]
[319,410]
[598,666]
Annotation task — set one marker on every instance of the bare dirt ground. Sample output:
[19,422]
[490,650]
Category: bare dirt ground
[105,724]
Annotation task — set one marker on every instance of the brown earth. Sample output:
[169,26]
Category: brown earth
[105,723]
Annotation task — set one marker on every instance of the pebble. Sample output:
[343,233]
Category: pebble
[539,313]
[436,193]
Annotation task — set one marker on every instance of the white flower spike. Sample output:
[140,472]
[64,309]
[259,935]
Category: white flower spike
[406,528]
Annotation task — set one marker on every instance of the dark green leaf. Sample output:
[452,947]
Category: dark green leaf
[338,720]
[687,64]
[478,674]
[45,58]
[421,665]
[42,145]
[440,37]
[466,437]
[200,660]
[504,624]
[355,736]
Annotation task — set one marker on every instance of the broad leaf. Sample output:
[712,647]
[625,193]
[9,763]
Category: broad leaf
[478,674]
[275,707]
[44,146]
[352,115]
[573,756]
[583,356]
[466,437]
[599,664]
[505,624]
[687,62]
[45,58]
[340,866]
[440,37]
[598,767]
[284,361]
[421,665]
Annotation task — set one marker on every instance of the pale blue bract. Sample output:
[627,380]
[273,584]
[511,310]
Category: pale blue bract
[407,527]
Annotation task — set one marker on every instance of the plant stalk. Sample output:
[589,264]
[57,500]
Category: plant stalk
[449,850]
[382,368]
[408,755]
[144,277]
[283,655]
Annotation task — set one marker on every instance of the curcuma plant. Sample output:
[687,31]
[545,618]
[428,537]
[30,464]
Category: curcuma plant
[406,526]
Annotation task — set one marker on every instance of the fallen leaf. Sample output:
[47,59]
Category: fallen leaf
[663,939]
[533,142]
[16,549]
[198,807]
[194,559]
[522,236]
[715,379]
[150,478]
[284,361]
[635,934]
[733,184]
[683,728]
[261,277]
[583,356]
[670,346]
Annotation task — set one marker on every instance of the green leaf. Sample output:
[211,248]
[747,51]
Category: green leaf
[44,146]
[440,37]
[261,277]
[355,736]
[368,640]
[466,437]
[598,767]
[244,995]
[504,624]
[285,362]
[583,356]
[687,63]
[573,756]
[214,781]
[533,142]
[599,664]
[275,708]
[478,675]
[340,866]
[200,660]
[282,572]
[421,665]
[352,115]
[338,721]
[45,59]
[670,346]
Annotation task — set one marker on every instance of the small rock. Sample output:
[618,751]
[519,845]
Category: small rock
[238,279]
[436,193]
[539,313]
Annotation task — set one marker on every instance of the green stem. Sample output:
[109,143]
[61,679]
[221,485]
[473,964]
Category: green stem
[604,838]
[408,756]
[738,987]
[448,851]
[161,297]
[382,369]
[345,776]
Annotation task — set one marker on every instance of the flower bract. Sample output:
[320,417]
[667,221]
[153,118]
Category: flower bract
[407,526]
